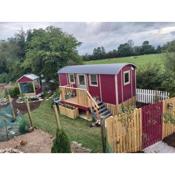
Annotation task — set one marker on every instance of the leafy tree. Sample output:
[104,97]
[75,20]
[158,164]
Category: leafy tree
[99,53]
[151,77]
[48,50]
[147,48]
[125,50]
[61,143]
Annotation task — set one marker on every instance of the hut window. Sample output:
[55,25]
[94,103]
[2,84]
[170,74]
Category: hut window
[126,77]
[71,78]
[93,80]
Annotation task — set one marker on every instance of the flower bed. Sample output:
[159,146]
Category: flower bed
[69,111]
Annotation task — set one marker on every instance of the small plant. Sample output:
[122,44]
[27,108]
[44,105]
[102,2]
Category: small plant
[14,92]
[169,118]
[23,126]
[61,143]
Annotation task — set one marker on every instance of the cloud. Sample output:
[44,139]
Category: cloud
[107,34]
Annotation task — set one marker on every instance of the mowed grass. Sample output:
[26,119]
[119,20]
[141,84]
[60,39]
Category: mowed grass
[77,130]
[137,60]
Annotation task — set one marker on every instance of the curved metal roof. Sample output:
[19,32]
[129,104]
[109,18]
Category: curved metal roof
[94,68]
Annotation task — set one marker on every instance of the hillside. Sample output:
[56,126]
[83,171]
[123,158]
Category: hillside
[137,60]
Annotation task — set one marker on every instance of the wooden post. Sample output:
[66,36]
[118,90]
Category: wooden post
[29,112]
[11,105]
[57,117]
[103,135]
[34,91]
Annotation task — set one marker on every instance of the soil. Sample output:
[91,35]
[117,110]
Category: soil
[37,141]
[170,140]
[23,108]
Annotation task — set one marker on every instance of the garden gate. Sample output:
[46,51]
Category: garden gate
[151,124]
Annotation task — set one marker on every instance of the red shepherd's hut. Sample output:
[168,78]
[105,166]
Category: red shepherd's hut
[109,83]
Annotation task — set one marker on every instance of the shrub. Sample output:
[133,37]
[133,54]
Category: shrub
[61,143]
[14,92]
[23,126]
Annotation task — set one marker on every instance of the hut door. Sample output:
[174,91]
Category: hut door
[82,81]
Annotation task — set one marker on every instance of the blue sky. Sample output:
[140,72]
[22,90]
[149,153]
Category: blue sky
[107,34]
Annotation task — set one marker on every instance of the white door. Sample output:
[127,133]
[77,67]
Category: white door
[82,81]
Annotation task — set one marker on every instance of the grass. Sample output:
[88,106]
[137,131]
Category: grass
[137,60]
[77,130]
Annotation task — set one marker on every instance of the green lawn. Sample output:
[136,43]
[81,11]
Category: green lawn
[137,60]
[77,130]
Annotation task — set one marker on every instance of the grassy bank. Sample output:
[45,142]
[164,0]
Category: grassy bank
[77,130]
[137,60]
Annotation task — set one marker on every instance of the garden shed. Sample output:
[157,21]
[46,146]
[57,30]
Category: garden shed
[29,85]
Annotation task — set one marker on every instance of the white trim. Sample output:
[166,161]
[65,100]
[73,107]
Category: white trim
[100,87]
[71,82]
[90,82]
[122,83]
[129,76]
[67,79]
[116,89]
[131,84]
[135,81]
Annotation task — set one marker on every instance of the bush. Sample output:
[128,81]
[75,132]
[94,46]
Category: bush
[23,126]
[150,77]
[61,143]
[14,92]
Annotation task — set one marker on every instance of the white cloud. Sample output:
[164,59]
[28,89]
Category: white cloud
[106,34]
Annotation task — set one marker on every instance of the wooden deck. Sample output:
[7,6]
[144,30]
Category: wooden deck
[74,101]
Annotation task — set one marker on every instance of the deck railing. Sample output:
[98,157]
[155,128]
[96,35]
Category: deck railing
[83,97]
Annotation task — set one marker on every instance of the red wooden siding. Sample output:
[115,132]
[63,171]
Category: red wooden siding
[63,79]
[94,90]
[24,80]
[108,88]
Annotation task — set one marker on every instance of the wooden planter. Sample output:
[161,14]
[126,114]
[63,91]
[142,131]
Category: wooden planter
[72,113]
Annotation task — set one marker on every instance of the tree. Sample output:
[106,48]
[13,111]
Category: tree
[48,50]
[61,143]
[125,49]
[147,48]
[99,53]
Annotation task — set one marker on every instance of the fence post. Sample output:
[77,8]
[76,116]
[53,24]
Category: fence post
[57,117]
[29,112]
[11,105]
[103,135]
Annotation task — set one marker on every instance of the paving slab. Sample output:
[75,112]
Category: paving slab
[159,147]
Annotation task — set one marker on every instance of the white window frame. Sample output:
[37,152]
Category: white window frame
[71,82]
[90,82]
[129,76]
[84,80]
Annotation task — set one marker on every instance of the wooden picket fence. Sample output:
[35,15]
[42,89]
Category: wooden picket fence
[168,109]
[124,131]
[124,136]
[150,96]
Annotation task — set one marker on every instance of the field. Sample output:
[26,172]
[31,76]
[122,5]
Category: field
[137,60]
[77,130]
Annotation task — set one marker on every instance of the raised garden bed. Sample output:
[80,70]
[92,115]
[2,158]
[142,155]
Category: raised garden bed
[69,111]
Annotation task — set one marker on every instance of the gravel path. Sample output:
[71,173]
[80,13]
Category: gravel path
[160,147]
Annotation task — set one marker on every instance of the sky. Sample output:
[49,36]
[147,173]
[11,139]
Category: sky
[107,34]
